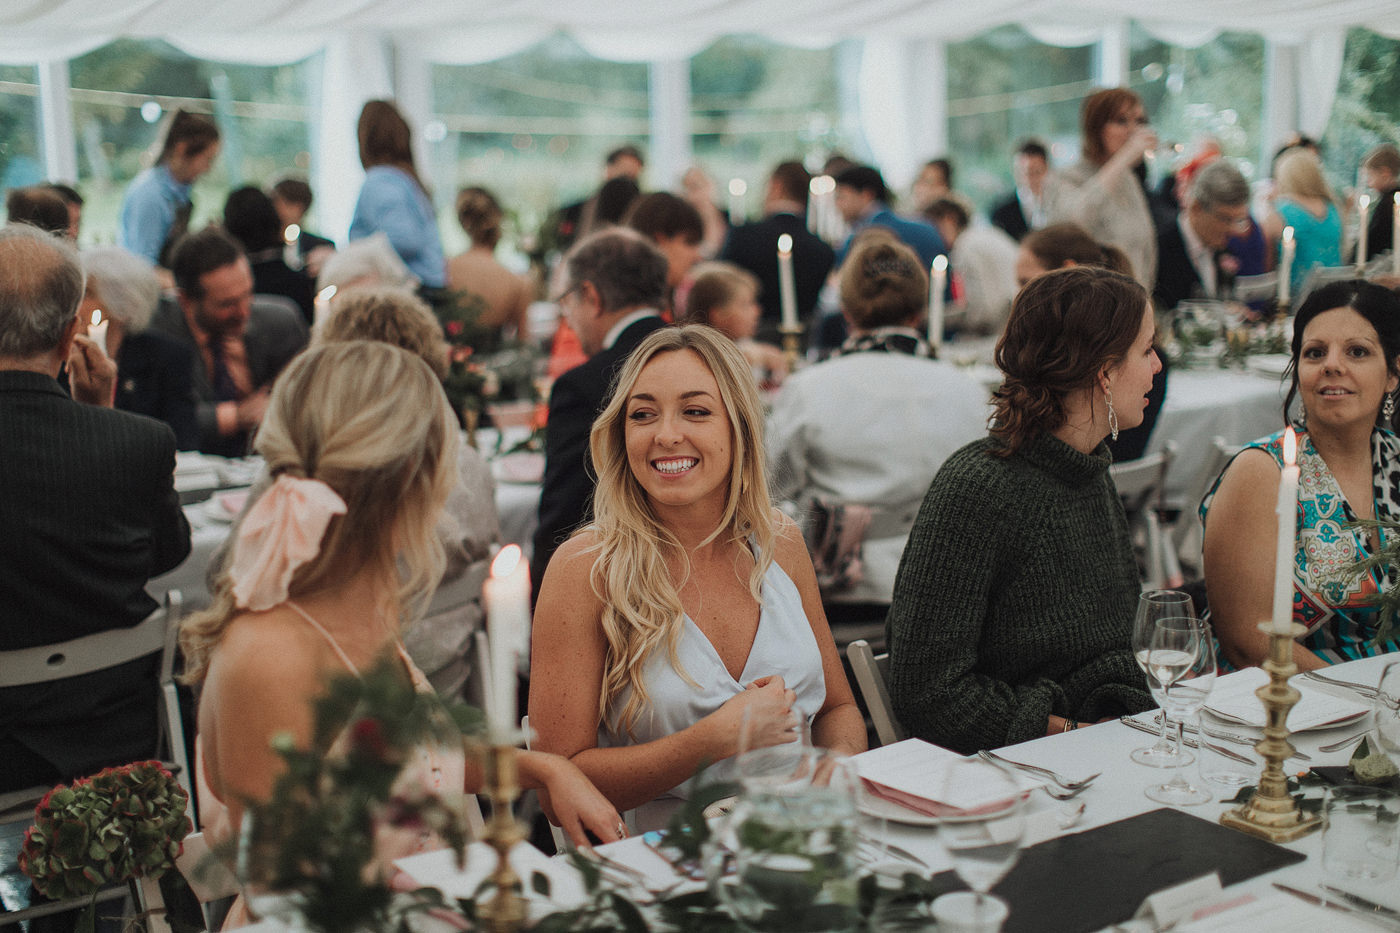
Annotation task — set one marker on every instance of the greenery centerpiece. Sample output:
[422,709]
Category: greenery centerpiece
[119,825]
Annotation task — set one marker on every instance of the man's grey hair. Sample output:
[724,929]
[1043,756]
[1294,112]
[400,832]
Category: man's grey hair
[370,261]
[125,284]
[41,284]
[1219,184]
[624,266]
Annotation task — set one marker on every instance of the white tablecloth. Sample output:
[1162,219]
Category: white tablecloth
[1203,404]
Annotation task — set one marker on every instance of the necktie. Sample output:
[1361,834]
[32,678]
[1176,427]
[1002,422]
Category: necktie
[225,389]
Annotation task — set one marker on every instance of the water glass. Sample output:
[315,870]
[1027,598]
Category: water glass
[1181,669]
[1361,833]
[1224,772]
[960,912]
[1387,709]
[985,841]
[1154,606]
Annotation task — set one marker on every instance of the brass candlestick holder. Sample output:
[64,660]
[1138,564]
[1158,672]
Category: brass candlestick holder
[1272,813]
[792,344]
[505,912]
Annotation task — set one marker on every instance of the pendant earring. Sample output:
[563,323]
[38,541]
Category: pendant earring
[1302,416]
[1388,409]
[1112,415]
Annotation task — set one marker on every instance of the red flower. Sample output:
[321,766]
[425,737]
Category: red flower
[454,327]
[367,737]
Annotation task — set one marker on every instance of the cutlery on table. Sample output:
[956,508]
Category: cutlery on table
[1366,906]
[879,848]
[1232,737]
[1064,782]
[1132,723]
[1320,901]
[1349,740]
[1367,691]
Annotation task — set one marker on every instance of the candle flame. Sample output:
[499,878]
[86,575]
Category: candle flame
[940,263]
[785,243]
[327,293]
[1290,447]
[291,234]
[1365,202]
[96,317]
[1288,234]
[737,187]
[506,561]
[822,184]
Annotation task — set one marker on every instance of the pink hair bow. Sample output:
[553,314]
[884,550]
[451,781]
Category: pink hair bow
[282,531]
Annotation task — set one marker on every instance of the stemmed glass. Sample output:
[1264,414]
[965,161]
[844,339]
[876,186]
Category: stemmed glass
[1153,606]
[1181,666]
[1387,708]
[757,765]
[985,840]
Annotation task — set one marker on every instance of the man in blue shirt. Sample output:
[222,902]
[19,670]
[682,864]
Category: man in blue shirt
[863,200]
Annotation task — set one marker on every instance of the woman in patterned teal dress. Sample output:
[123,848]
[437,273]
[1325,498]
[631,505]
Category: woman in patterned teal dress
[1345,371]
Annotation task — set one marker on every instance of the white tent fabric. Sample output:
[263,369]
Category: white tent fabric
[379,48]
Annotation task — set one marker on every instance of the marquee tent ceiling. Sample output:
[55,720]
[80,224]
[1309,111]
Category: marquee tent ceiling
[465,30]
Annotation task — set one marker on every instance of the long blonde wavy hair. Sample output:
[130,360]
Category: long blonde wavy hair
[642,610]
[371,421]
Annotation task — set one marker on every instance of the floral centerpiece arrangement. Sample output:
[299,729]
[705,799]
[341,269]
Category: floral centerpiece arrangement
[482,369]
[117,826]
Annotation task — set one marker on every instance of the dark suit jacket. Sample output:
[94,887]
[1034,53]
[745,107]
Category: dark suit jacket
[1380,231]
[88,514]
[575,401]
[275,334]
[1177,278]
[1009,216]
[155,378]
[272,276]
[755,247]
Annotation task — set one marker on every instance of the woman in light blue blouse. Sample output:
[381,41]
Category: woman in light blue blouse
[393,200]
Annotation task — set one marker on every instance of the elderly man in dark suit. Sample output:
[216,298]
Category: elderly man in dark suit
[88,514]
[615,284]
[755,247]
[1190,247]
[240,344]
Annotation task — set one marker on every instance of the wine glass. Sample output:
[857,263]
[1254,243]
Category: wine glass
[765,766]
[983,841]
[1152,606]
[1387,709]
[1181,665]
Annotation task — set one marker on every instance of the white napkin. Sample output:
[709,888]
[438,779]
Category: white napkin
[1233,698]
[439,870]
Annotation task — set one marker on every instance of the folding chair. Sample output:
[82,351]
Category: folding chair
[1187,533]
[870,670]
[1141,483]
[22,667]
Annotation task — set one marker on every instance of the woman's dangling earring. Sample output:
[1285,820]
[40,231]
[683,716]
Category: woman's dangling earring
[1388,409]
[1112,415]
[1302,417]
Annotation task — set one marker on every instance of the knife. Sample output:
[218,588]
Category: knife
[1356,900]
[1312,898]
[1188,742]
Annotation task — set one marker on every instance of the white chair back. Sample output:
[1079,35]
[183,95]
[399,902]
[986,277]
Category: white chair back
[871,670]
[1141,484]
[1187,534]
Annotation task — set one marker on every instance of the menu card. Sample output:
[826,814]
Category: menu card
[1233,699]
[911,773]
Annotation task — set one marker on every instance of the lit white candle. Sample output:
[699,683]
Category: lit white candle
[1284,557]
[737,189]
[1363,206]
[322,305]
[507,598]
[97,330]
[787,286]
[1394,226]
[289,246]
[1285,266]
[938,281]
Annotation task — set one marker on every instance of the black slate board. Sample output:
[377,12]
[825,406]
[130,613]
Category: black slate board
[1090,880]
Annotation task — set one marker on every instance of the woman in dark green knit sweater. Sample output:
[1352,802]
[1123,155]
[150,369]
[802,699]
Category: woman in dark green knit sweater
[1013,608]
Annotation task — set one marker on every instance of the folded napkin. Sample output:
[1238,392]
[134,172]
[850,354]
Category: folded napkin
[439,870]
[911,773]
[1233,699]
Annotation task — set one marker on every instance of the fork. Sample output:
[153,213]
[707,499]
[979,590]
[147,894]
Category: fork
[1350,740]
[1064,782]
[1363,689]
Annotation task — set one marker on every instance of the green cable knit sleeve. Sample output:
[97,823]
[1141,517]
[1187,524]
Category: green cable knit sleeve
[943,680]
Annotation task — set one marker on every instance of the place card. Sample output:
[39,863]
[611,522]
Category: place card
[911,773]
[1172,904]
[439,870]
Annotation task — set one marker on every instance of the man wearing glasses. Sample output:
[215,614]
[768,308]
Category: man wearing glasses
[1191,257]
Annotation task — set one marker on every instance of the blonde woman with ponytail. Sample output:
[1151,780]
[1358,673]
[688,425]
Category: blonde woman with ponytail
[1013,607]
[689,602]
[330,562]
